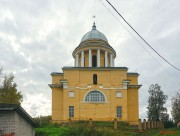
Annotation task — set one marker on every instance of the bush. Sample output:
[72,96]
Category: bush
[86,131]
[103,123]
[169,124]
[43,120]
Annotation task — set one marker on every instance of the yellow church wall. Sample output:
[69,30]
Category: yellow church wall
[97,111]
[72,76]
[134,79]
[56,79]
[117,76]
[57,104]
[70,102]
[108,82]
[85,77]
[122,101]
[133,106]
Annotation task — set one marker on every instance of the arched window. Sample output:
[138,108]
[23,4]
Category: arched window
[94,61]
[95,96]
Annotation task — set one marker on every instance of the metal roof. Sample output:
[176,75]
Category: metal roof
[94,34]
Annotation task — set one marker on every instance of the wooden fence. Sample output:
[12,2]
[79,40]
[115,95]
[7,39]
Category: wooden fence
[142,125]
[145,125]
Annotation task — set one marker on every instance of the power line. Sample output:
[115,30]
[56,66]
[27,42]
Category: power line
[142,37]
[139,42]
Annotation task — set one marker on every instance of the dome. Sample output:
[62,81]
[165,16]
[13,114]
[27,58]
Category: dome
[94,34]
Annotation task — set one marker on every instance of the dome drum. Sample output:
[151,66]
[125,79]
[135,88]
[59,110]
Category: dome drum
[93,47]
[94,58]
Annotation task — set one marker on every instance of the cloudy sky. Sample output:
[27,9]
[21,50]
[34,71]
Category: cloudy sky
[37,37]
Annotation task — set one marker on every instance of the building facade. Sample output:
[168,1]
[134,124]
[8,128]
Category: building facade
[94,88]
[16,121]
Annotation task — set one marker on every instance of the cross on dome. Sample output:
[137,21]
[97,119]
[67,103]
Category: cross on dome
[94,26]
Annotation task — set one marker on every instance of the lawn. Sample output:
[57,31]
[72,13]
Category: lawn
[107,130]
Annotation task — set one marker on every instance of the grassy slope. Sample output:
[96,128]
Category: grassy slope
[83,130]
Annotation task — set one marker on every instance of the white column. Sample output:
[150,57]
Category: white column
[77,60]
[106,59]
[82,58]
[90,58]
[111,60]
[98,58]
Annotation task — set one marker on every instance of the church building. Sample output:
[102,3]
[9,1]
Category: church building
[94,88]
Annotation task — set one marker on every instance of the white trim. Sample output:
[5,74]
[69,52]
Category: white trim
[125,85]
[111,60]
[77,60]
[71,94]
[90,58]
[101,87]
[98,57]
[118,94]
[82,58]
[64,85]
[106,59]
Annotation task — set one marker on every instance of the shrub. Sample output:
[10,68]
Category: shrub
[169,124]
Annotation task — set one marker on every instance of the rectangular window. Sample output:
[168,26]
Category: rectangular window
[119,111]
[118,94]
[71,94]
[71,111]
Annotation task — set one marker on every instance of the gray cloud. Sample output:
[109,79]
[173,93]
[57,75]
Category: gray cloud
[38,37]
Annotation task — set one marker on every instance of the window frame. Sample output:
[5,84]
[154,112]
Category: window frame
[119,93]
[119,111]
[70,93]
[71,111]
[95,79]
[95,96]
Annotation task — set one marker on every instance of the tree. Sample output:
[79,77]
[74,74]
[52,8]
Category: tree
[157,99]
[8,91]
[176,107]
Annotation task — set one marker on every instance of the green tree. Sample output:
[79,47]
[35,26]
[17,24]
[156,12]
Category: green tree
[8,91]
[176,107]
[157,99]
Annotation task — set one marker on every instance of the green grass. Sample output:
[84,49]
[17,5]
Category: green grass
[99,129]
[52,130]
[156,132]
